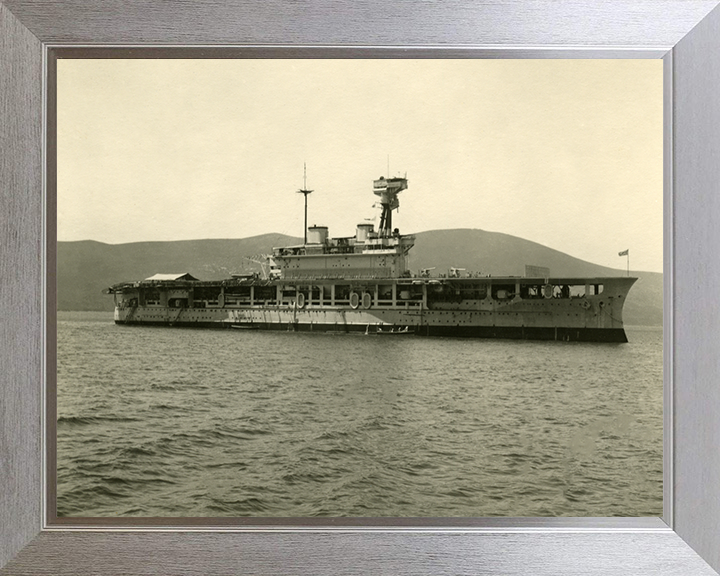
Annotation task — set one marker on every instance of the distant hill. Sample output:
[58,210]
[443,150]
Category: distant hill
[85,268]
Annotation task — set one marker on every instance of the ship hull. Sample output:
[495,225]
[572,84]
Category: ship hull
[590,317]
[557,333]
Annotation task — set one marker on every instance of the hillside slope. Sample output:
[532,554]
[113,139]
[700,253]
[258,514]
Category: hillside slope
[85,268]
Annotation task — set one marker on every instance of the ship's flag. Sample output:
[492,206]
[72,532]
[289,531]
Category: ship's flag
[624,252]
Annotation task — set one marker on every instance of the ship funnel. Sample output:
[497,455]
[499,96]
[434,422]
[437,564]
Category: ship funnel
[317,234]
[363,231]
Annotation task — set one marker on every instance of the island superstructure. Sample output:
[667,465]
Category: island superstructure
[362,283]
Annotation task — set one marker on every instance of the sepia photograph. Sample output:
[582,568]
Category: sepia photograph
[359,288]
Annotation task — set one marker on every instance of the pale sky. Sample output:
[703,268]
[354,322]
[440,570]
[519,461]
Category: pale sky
[567,153]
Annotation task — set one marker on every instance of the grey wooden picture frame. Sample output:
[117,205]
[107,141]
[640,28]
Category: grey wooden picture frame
[685,541]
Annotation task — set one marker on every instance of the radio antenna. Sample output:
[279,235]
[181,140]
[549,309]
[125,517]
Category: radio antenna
[305,193]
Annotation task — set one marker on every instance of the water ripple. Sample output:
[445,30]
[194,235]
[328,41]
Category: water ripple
[171,422]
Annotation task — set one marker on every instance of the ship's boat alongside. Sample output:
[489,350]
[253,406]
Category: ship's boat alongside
[362,284]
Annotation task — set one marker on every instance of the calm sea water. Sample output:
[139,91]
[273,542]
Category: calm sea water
[177,422]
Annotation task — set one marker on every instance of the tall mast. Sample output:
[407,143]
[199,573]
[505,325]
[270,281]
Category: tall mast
[305,192]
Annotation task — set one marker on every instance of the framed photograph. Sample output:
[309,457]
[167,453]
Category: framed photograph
[48,66]
[455,410]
